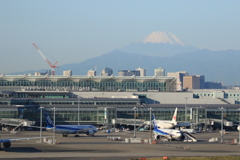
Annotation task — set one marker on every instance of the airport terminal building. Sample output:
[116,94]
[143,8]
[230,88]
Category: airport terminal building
[101,99]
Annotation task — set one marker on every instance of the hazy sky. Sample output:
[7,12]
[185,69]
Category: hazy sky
[72,31]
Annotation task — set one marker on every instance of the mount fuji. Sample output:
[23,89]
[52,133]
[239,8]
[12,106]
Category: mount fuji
[162,44]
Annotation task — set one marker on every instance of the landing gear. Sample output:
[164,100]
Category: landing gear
[181,138]
[64,135]
[76,135]
[210,129]
[162,138]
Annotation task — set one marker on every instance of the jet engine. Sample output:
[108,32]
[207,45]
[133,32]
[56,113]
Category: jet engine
[158,137]
[90,133]
[7,144]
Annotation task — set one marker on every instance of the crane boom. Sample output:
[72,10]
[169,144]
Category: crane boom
[48,62]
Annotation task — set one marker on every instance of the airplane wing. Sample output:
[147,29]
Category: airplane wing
[7,142]
[35,127]
[168,122]
[173,123]
[17,139]
[84,130]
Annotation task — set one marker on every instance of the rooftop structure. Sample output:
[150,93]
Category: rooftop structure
[107,71]
[159,72]
[191,82]
[91,73]
[87,83]
[67,73]
[179,76]
[142,72]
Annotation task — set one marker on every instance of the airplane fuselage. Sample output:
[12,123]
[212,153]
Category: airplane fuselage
[89,130]
[72,129]
[166,124]
[169,133]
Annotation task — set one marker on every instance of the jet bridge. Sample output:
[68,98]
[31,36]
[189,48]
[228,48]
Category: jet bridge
[129,122]
[210,124]
[16,123]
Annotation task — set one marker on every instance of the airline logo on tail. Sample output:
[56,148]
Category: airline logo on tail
[48,120]
[174,118]
[154,123]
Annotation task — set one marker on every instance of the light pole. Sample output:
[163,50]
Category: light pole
[150,136]
[186,108]
[105,118]
[54,126]
[205,113]
[41,108]
[239,125]
[142,112]
[222,109]
[78,111]
[135,108]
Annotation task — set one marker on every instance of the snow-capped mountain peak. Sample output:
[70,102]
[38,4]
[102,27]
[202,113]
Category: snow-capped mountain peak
[162,37]
[162,44]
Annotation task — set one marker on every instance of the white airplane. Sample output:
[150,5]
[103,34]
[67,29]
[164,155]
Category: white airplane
[89,130]
[166,133]
[168,124]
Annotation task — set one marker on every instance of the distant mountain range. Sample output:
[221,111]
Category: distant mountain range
[160,49]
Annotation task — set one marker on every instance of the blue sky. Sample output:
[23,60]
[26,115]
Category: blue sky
[72,31]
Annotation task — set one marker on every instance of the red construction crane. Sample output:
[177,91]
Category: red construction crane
[55,65]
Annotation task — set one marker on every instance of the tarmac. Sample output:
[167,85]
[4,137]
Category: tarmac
[100,148]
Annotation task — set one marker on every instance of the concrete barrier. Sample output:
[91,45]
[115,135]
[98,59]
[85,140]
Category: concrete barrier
[146,141]
[50,141]
[114,138]
[135,140]
[127,140]
[213,139]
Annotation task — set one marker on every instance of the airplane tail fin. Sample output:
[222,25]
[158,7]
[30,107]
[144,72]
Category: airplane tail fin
[174,118]
[154,123]
[48,120]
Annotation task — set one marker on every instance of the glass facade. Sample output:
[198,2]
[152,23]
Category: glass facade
[82,83]
[96,114]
